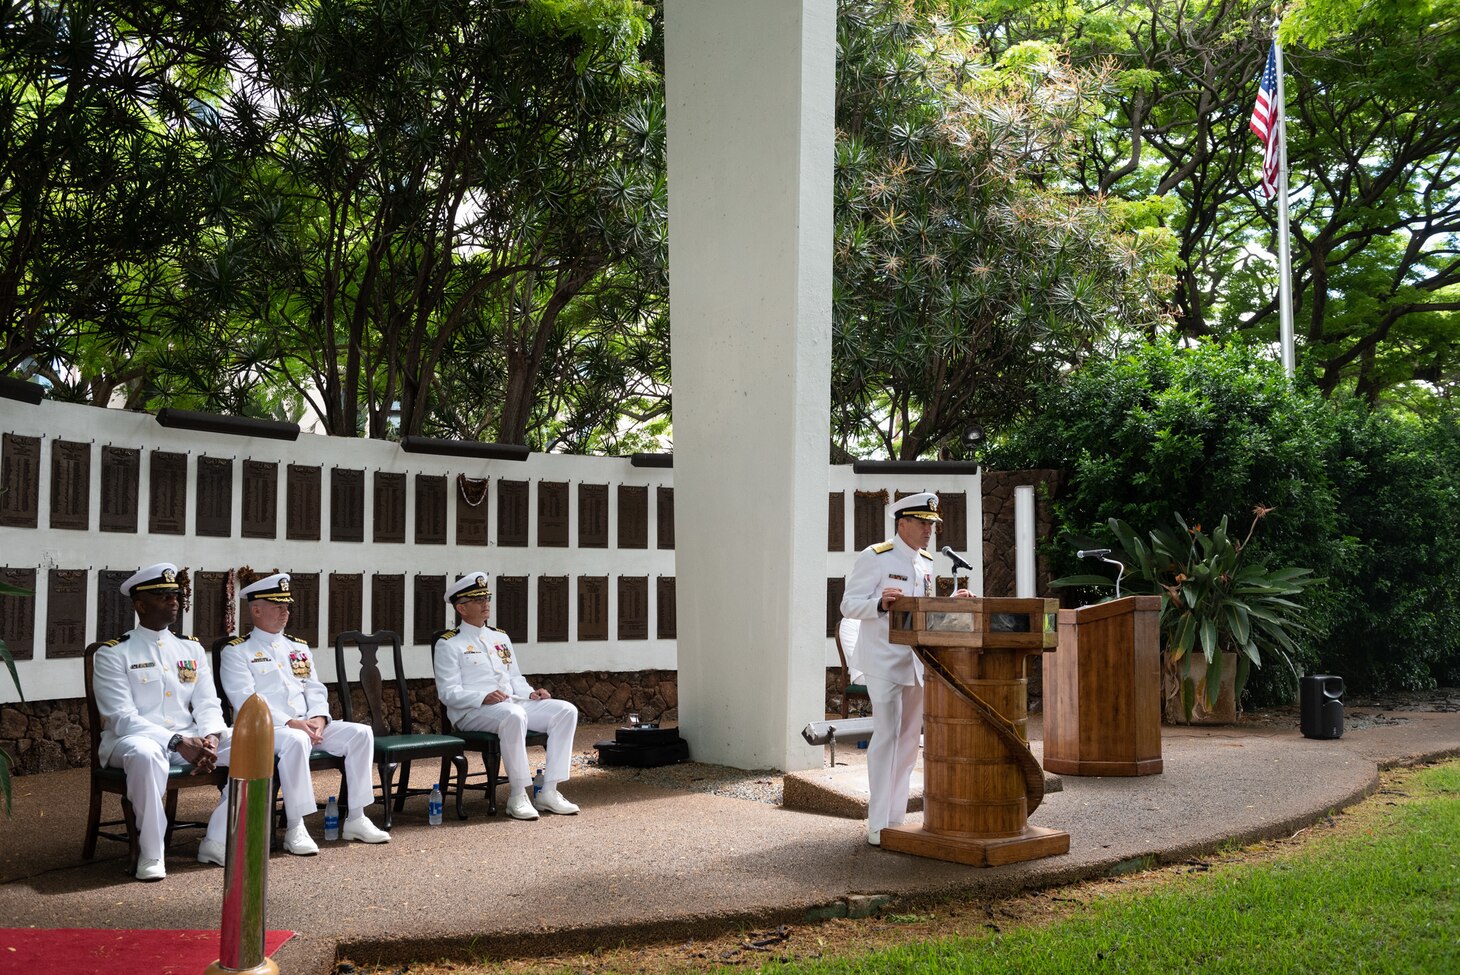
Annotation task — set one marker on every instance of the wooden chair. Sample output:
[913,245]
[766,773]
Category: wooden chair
[485,743]
[396,751]
[846,643]
[105,778]
[318,760]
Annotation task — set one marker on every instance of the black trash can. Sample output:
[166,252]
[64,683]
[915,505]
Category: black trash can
[1321,696]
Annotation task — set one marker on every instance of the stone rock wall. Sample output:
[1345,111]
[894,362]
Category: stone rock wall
[998,526]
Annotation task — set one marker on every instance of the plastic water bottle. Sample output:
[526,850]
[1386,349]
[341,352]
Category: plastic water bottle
[433,805]
[537,783]
[332,819]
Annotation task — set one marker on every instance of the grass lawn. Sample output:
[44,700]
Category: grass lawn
[1374,890]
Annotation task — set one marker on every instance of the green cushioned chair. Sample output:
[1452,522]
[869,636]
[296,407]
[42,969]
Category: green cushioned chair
[319,760]
[846,642]
[395,750]
[485,743]
[106,779]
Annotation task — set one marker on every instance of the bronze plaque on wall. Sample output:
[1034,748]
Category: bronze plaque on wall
[633,516]
[210,607]
[512,513]
[665,516]
[510,611]
[215,497]
[120,469]
[552,514]
[836,521]
[430,609]
[471,510]
[593,607]
[260,499]
[869,518]
[304,615]
[390,507]
[346,599]
[114,613]
[66,613]
[301,504]
[835,588]
[70,485]
[430,509]
[593,516]
[347,506]
[388,603]
[17,614]
[633,607]
[20,480]
[167,507]
[552,609]
[664,627]
[953,507]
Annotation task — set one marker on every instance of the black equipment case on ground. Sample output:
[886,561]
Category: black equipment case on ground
[645,746]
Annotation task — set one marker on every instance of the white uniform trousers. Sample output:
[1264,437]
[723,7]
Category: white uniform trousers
[146,764]
[897,723]
[511,720]
[350,739]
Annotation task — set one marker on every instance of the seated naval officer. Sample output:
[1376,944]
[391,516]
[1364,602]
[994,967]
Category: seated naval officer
[280,669]
[900,566]
[154,691]
[478,680]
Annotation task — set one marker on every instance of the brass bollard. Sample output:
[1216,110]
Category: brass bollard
[246,873]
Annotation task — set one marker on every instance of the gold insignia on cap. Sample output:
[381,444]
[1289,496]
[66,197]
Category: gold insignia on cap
[284,585]
[169,576]
[933,503]
[481,580]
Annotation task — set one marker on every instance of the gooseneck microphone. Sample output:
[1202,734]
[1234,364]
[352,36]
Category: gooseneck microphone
[1103,554]
[959,562]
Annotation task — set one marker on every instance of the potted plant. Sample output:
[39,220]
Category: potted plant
[1221,613]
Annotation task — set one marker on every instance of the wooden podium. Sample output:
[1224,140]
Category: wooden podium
[1102,690]
[980,781]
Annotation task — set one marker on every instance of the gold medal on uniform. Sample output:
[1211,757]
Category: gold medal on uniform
[505,652]
[187,671]
[299,664]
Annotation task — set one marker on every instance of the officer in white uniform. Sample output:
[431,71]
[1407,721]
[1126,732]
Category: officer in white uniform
[478,680]
[158,708]
[280,669]
[900,566]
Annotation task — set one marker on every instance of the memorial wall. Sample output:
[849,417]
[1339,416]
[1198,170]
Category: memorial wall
[580,550]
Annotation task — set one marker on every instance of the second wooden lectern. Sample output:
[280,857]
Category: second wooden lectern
[980,781]
[1102,690]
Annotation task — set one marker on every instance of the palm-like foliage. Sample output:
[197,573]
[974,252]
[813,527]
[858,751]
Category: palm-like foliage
[1213,599]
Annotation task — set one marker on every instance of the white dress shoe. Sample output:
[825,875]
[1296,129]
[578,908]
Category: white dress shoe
[362,829]
[150,870]
[212,851]
[874,837]
[551,800]
[520,807]
[298,842]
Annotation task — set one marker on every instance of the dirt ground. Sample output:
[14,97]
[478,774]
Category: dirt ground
[908,922]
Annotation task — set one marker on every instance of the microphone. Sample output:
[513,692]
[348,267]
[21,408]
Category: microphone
[959,562]
[1092,553]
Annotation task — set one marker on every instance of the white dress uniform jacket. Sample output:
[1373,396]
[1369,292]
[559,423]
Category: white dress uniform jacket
[472,662]
[280,669]
[890,564]
[154,685]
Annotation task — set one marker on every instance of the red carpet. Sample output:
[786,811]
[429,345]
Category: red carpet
[107,951]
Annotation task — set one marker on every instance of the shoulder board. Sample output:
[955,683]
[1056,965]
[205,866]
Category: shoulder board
[448,634]
[296,639]
[112,643]
[193,637]
[882,547]
[924,554]
[237,640]
[497,628]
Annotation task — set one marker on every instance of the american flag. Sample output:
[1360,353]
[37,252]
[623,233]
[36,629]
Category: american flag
[1266,124]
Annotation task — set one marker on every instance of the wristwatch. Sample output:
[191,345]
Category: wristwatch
[173,742]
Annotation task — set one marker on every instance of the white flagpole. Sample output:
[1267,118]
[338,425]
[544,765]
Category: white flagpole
[1285,260]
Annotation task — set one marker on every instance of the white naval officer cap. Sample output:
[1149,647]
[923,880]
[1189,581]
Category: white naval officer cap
[161,577]
[470,586]
[923,506]
[274,589]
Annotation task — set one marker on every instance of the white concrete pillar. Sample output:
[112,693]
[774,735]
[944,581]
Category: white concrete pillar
[1026,541]
[750,89]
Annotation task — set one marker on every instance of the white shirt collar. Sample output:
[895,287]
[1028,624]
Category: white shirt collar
[154,635]
[903,548]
